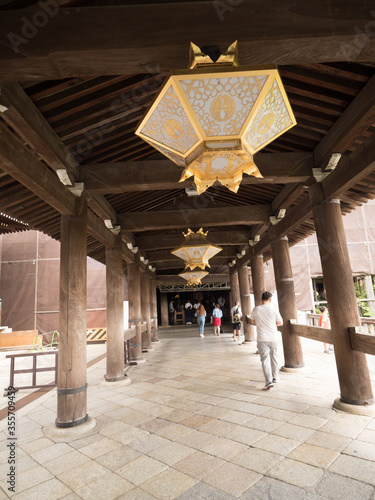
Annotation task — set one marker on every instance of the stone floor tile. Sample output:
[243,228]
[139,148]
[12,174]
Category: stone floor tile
[153,425]
[71,496]
[80,443]
[215,411]
[211,400]
[136,494]
[225,448]
[314,455]
[129,416]
[86,473]
[326,413]
[310,421]
[173,431]
[257,460]
[277,444]
[171,453]
[263,424]
[108,487]
[113,428]
[295,432]
[356,468]
[148,443]
[246,435]
[99,448]
[130,435]
[350,426]
[52,489]
[168,484]
[296,473]
[141,469]
[278,414]
[66,462]
[177,415]
[237,417]
[232,479]
[203,491]
[198,464]
[361,449]
[268,488]
[32,477]
[196,439]
[51,452]
[328,440]
[367,436]
[219,428]
[336,487]
[118,457]
[38,444]
[196,421]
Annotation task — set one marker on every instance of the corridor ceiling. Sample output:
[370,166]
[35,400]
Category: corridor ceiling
[76,77]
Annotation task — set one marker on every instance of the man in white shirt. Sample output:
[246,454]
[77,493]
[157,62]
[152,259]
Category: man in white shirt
[267,319]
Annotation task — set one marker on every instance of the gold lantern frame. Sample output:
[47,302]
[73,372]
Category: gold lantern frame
[213,118]
[196,250]
[193,278]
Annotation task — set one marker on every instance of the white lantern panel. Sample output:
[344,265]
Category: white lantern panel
[181,253]
[179,160]
[271,120]
[222,104]
[211,252]
[170,125]
[196,252]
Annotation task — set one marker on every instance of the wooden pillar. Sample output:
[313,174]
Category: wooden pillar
[115,313]
[243,278]
[354,379]
[72,371]
[146,309]
[135,315]
[258,278]
[234,288]
[164,309]
[154,312]
[287,301]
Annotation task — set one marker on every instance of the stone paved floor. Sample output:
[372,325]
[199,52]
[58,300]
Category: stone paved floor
[195,424]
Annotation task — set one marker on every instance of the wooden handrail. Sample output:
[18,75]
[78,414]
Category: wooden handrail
[34,370]
[361,341]
[312,332]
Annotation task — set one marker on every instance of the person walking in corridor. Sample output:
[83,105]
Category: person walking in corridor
[267,319]
[217,314]
[201,318]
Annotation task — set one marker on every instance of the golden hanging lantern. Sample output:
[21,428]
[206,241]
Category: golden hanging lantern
[193,277]
[196,251]
[212,118]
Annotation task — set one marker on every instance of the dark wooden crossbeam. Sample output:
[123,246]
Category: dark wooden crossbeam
[165,241]
[184,218]
[106,178]
[150,38]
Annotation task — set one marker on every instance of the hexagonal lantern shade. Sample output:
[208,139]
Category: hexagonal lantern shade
[196,250]
[212,119]
[193,277]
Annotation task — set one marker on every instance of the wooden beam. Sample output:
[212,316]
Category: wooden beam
[359,115]
[111,40]
[120,177]
[362,342]
[312,332]
[164,241]
[148,221]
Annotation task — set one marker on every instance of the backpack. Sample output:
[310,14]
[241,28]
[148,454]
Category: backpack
[236,316]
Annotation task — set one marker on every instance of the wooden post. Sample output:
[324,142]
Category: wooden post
[258,278]
[287,301]
[115,313]
[164,309]
[146,309]
[135,315]
[352,369]
[243,278]
[72,372]
[234,288]
[154,312]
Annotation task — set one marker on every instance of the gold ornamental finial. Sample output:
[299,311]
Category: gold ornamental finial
[197,58]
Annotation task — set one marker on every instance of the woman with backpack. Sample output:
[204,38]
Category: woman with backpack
[236,314]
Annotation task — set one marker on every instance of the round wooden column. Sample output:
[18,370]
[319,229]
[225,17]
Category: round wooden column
[287,301]
[258,278]
[146,309]
[243,279]
[115,313]
[164,309]
[234,288]
[352,369]
[72,364]
[135,314]
[154,312]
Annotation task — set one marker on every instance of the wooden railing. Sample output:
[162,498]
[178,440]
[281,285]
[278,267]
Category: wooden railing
[368,323]
[34,370]
[360,340]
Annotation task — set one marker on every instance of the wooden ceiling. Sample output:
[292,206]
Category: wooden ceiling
[77,78]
